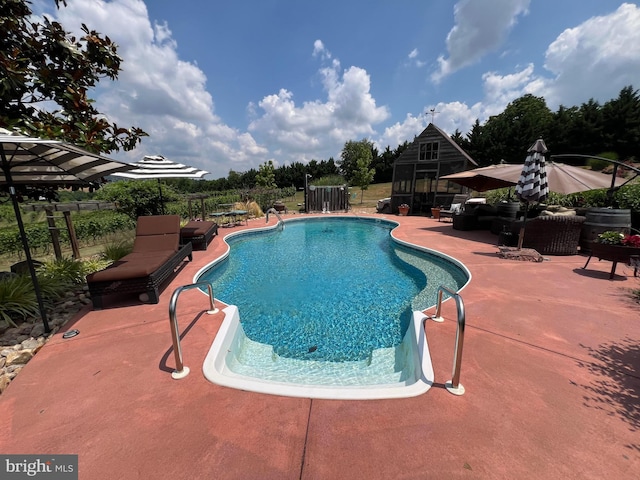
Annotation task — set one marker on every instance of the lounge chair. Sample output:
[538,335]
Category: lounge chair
[156,255]
[456,207]
[198,233]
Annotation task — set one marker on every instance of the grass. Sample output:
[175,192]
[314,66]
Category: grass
[364,200]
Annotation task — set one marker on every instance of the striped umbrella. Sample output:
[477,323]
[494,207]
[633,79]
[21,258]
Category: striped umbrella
[31,161]
[157,167]
[532,185]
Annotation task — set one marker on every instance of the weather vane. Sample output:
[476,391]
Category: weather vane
[433,113]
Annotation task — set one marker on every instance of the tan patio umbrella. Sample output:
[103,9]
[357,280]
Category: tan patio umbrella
[35,161]
[485,178]
[561,178]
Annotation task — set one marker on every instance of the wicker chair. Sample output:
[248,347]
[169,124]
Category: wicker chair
[155,258]
[551,234]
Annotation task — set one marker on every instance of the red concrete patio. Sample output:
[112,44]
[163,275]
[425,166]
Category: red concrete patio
[551,368]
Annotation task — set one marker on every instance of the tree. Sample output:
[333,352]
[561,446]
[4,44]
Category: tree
[46,75]
[351,153]
[266,176]
[362,176]
[509,134]
[621,123]
[137,197]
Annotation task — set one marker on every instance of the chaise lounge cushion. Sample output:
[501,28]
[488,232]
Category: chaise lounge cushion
[134,265]
[199,233]
[153,235]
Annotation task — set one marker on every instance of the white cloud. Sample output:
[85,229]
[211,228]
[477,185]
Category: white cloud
[314,128]
[414,60]
[160,93]
[595,59]
[480,27]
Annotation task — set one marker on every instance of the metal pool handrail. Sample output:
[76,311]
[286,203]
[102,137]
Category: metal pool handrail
[453,386]
[275,212]
[181,371]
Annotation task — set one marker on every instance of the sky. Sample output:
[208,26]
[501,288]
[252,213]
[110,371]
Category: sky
[230,85]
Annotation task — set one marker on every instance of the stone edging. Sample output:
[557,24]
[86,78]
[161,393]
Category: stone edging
[19,344]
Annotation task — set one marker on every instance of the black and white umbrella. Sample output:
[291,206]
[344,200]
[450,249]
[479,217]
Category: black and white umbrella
[28,161]
[532,185]
[158,167]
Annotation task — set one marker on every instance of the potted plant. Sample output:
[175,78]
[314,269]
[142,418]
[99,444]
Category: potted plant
[615,247]
[403,209]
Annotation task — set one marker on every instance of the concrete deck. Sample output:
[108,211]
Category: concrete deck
[551,368]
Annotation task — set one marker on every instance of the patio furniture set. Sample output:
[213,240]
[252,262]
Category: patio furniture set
[549,232]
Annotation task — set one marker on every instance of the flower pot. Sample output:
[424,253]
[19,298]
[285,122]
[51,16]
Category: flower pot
[612,253]
[403,211]
[435,213]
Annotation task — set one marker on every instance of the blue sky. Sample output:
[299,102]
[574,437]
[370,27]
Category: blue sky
[230,85]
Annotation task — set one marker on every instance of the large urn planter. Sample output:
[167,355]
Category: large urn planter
[612,253]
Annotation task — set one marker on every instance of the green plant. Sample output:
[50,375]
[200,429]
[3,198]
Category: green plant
[18,300]
[498,195]
[610,238]
[95,265]
[63,269]
[116,250]
[629,197]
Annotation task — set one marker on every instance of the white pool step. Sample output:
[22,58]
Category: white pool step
[258,360]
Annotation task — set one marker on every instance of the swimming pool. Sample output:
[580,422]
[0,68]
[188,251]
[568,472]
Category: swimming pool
[329,306]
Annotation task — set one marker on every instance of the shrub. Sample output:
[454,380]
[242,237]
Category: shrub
[116,250]
[95,265]
[64,269]
[18,300]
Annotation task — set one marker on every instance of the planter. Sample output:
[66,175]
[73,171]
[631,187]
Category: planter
[403,211]
[612,253]
[599,220]
[435,213]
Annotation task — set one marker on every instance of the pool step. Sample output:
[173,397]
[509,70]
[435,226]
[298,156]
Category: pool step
[259,360]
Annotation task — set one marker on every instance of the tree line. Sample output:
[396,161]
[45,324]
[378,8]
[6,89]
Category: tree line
[588,129]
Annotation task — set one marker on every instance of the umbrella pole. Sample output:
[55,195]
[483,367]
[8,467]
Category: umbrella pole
[32,270]
[161,201]
[23,236]
[524,221]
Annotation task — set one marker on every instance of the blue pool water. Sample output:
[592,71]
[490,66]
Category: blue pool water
[329,289]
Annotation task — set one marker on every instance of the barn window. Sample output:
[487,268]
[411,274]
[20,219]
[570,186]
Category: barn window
[429,151]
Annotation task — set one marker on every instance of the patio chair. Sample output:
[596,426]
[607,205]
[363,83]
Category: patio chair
[156,256]
[551,234]
[456,207]
[198,233]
